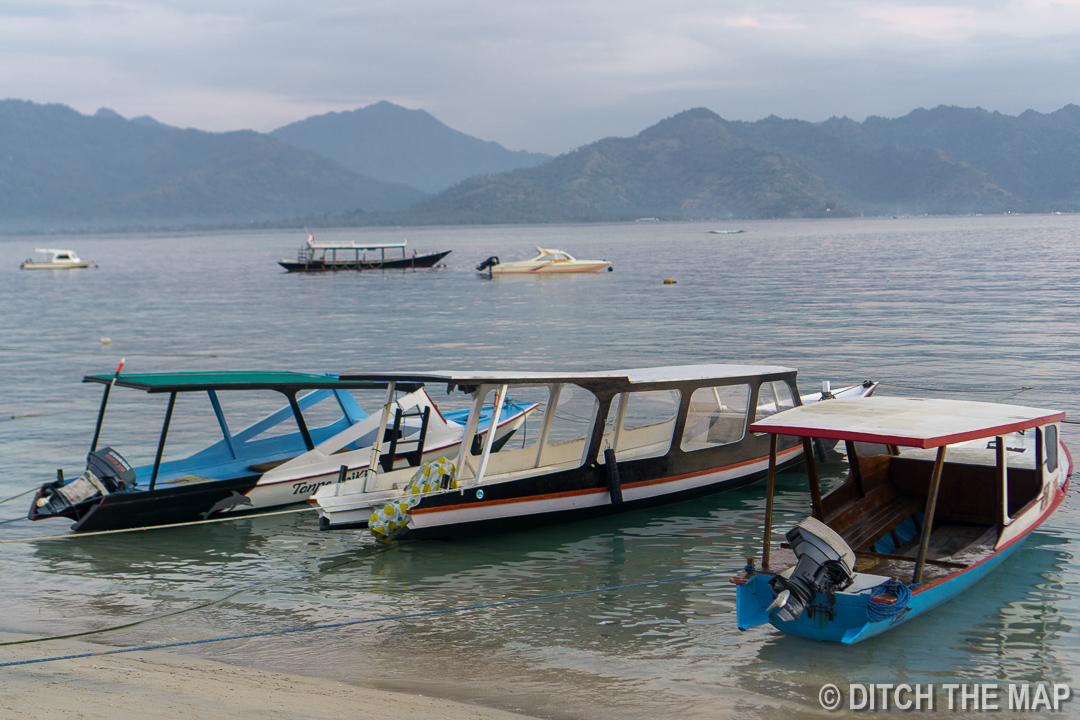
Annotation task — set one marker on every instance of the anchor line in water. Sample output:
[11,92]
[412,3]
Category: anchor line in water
[120,627]
[367,621]
[955,390]
[227,518]
[16,497]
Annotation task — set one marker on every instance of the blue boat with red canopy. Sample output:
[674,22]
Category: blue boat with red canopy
[938,494]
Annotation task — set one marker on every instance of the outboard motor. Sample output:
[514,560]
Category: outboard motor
[106,472]
[109,466]
[491,261]
[826,564]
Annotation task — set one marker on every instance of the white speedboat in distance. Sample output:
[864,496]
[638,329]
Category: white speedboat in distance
[546,261]
[53,259]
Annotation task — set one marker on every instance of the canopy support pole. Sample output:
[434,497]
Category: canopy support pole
[376,447]
[928,515]
[1003,482]
[308,443]
[770,485]
[161,440]
[812,477]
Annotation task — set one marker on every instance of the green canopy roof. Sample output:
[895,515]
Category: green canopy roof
[231,380]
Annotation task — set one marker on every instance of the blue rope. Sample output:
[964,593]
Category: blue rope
[347,623]
[879,611]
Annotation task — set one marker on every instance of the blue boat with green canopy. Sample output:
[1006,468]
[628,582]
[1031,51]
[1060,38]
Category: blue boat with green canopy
[298,432]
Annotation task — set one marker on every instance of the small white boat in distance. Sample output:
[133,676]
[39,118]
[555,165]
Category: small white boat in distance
[546,261]
[53,259]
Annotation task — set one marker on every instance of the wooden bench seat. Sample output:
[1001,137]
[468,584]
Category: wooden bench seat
[869,527]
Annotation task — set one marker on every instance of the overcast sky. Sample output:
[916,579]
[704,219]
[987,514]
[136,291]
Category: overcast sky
[544,75]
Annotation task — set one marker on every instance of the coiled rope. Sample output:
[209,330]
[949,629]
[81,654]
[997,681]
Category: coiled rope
[367,621]
[879,610]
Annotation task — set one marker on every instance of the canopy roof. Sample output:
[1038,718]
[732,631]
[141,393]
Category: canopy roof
[601,381]
[355,244]
[230,380]
[910,422]
[669,374]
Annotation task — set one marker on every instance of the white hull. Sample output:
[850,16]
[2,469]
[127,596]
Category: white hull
[287,485]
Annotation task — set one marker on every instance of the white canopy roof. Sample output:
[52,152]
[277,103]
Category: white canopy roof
[910,422]
[674,373]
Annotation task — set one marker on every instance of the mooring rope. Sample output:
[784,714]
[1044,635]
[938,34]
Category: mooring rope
[386,618]
[956,390]
[16,497]
[228,518]
[120,627]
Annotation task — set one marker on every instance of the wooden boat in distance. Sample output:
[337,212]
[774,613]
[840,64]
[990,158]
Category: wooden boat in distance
[328,255]
[54,259]
[908,529]
[547,261]
[601,443]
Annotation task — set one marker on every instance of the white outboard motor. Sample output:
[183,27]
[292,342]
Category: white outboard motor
[825,565]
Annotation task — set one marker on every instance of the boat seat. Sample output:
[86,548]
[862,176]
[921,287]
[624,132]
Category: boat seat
[869,527]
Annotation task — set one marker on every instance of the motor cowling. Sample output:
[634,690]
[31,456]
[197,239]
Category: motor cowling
[490,262]
[110,467]
[825,565]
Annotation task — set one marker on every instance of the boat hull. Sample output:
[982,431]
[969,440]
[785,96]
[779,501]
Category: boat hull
[56,266]
[416,261]
[579,494]
[549,269]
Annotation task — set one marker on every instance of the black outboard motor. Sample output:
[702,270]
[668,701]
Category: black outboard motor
[107,472]
[490,262]
[109,466]
[826,564]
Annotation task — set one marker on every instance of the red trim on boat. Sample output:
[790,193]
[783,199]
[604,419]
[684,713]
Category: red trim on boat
[593,491]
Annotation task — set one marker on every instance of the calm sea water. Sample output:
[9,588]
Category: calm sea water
[979,308]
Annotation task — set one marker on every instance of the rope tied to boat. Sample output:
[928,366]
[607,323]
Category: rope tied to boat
[889,600]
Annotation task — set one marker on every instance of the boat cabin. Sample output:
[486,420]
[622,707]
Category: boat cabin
[598,443]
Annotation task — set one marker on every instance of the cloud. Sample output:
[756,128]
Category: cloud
[541,76]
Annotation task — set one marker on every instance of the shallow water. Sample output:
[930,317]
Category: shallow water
[981,307]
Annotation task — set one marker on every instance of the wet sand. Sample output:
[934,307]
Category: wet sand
[132,686]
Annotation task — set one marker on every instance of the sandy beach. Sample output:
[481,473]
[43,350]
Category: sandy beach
[166,685]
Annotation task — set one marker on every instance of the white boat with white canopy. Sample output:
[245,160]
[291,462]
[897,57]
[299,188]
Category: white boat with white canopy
[599,443]
[55,259]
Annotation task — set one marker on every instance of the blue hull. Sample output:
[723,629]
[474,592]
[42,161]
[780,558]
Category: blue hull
[850,623]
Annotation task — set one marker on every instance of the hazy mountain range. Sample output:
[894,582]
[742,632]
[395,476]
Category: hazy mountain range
[403,146]
[384,164]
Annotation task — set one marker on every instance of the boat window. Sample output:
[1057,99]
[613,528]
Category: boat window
[1050,434]
[773,397]
[521,433]
[717,416]
[649,424]
[574,415]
